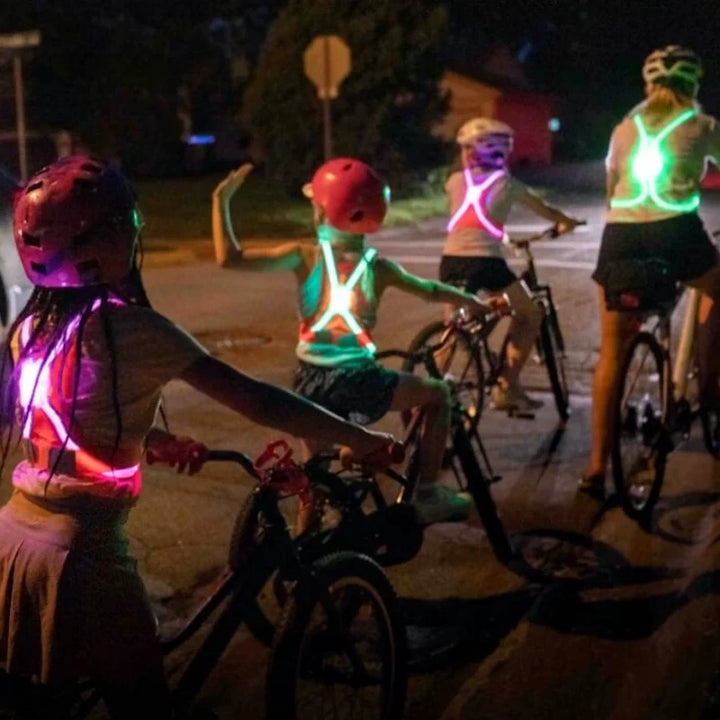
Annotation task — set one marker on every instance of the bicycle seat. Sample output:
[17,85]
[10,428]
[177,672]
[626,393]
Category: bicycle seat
[646,287]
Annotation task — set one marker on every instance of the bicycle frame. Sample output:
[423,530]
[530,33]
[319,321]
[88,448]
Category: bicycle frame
[260,544]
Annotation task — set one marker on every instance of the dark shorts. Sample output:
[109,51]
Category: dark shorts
[476,273]
[362,395]
[680,241]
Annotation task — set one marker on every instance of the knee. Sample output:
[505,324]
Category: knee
[438,395]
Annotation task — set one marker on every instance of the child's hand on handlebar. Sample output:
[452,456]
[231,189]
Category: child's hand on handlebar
[176,451]
[568,224]
[374,450]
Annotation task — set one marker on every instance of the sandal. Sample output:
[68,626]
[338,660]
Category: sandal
[593,485]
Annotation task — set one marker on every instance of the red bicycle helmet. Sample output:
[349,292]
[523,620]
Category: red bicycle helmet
[353,196]
[76,224]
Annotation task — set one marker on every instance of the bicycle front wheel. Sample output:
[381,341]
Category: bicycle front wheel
[640,441]
[459,363]
[348,660]
[555,366]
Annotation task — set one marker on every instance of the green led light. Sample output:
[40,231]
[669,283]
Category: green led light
[341,295]
[649,165]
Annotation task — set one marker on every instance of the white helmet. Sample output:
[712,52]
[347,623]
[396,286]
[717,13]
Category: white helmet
[479,128]
[673,61]
[491,140]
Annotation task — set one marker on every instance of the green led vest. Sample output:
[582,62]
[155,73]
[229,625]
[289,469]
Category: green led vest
[650,164]
[341,298]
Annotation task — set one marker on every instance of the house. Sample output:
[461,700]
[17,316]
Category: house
[499,90]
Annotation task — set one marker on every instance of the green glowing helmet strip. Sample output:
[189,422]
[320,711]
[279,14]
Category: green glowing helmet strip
[341,295]
[648,165]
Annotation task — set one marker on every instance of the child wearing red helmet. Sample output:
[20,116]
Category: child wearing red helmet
[341,282]
[85,391]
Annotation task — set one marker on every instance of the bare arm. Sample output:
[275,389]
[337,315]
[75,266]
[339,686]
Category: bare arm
[611,179]
[228,253]
[391,274]
[277,408]
[534,202]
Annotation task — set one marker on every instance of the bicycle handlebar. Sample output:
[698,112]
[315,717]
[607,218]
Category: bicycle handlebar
[548,233]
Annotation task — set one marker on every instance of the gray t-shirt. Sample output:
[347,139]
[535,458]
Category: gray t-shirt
[150,351]
[476,241]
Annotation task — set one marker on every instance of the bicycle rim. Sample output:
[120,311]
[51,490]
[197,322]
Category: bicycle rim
[459,364]
[312,675]
[640,438]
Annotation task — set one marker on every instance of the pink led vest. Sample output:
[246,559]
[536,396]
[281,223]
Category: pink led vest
[475,200]
[44,427]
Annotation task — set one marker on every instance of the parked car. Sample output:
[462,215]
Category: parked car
[15,288]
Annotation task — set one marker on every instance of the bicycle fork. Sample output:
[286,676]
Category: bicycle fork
[479,487]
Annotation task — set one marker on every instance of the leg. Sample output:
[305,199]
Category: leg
[708,335]
[433,502]
[432,397]
[522,332]
[616,329]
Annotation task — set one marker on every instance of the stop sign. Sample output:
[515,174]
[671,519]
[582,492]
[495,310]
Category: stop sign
[327,63]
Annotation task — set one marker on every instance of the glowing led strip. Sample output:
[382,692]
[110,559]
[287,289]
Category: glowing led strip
[647,166]
[341,295]
[34,386]
[473,196]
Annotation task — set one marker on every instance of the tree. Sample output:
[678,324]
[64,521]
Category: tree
[386,106]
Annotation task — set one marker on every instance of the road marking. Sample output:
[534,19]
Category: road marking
[560,264]
[542,244]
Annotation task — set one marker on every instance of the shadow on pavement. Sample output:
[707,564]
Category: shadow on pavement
[560,566]
[674,518]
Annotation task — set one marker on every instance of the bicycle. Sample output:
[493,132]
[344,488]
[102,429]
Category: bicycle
[341,643]
[475,367]
[390,531]
[657,402]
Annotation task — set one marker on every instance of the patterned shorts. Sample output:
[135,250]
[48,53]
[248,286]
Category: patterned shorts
[361,395]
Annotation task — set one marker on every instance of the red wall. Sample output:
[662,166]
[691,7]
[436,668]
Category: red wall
[528,114]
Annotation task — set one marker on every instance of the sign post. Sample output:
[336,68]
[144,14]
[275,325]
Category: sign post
[327,63]
[15,45]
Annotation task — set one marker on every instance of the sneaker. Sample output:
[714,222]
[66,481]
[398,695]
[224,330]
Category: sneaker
[513,398]
[438,503]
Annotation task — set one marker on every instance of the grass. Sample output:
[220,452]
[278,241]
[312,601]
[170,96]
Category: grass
[179,208]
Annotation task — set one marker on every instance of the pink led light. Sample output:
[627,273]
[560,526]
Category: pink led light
[34,385]
[474,196]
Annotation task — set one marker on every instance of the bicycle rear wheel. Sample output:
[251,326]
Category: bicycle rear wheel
[640,441]
[349,662]
[458,362]
[555,366]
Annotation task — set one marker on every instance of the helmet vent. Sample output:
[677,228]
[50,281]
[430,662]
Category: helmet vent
[357,216]
[30,240]
[84,184]
[39,268]
[347,166]
[35,186]
[91,167]
[89,269]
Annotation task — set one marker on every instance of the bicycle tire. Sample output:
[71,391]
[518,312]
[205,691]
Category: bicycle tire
[471,390]
[555,367]
[638,482]
[295,650]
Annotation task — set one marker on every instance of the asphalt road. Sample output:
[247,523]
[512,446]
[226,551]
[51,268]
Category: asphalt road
[619,623]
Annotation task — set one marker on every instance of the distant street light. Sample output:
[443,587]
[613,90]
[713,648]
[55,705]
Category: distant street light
[15,46]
